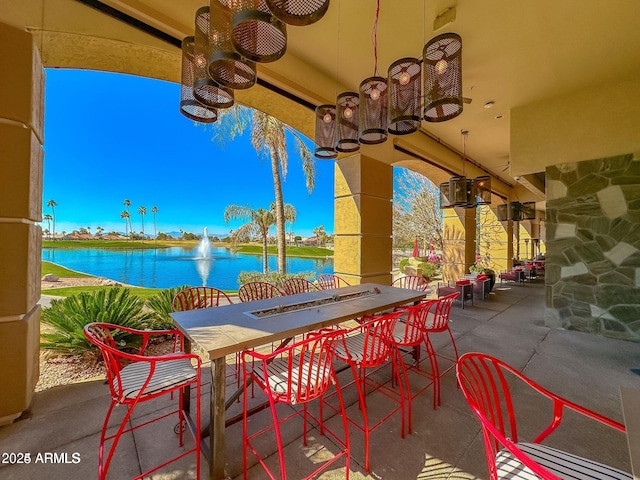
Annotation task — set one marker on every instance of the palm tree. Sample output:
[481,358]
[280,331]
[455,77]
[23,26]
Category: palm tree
[142,211]
[52,203]
[268,134]
[127,203]
[258,223]
[124,214]
[290,214]
[154,210]
[47,218]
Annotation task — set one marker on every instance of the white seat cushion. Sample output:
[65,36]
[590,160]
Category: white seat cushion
[166,376]
[278,371]
[565,465]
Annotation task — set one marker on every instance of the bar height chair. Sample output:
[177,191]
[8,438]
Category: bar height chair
[329,280]
[134,378]
[294,375]
[295,285]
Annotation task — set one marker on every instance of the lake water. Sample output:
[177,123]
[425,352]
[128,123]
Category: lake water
[174,266]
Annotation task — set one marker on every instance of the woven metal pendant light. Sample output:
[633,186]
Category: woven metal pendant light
[347,115]
[299,12]
[325,132]
[226,66]
[189,106]
[483,190]
[255,32]
[205,90]
[373,110]
[405,83]
[442,59]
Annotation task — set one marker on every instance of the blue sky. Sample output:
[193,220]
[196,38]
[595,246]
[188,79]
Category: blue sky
[111,137]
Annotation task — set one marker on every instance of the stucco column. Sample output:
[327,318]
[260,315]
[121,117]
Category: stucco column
[459,242]
[363,220]
[21,138]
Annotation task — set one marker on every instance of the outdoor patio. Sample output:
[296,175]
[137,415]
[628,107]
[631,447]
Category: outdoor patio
[445,443]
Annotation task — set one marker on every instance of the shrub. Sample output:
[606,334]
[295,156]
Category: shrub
[403,263]
[68,317]
[162,305]
[275,278]
[428,269]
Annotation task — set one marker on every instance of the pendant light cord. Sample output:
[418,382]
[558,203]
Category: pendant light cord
[374,40]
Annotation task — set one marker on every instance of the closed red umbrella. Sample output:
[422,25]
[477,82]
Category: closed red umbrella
[416,249]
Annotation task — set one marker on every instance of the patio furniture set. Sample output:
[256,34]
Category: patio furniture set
[315,331]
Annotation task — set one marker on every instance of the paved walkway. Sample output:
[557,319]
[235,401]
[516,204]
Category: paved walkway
[446,443]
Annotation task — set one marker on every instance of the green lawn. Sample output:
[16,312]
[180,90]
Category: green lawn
[116,244]
[60,271]
[291,251]
[68,291]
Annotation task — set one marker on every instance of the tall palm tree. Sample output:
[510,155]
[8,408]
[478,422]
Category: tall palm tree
[124,214]
[258,223]
[154,210]
[127,203]
[290,215]
[268,135]
[47,218]
[142,211]
[52,203]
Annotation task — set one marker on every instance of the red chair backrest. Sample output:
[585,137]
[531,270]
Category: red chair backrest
[329,280]
[378,334]
[298,285]
[199,297]
[413,325]
[309,368]
[258,291]
[440,312]
[411,282]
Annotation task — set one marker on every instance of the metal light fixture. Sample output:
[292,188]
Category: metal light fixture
[225,65]
[205,90]
[442,64]
[325,132]
[516,211]
[299,12]
[404,79]
[189,106]
[347,122]
[373,110]
[255,32]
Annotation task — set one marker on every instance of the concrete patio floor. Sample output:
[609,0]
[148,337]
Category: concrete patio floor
[445,444]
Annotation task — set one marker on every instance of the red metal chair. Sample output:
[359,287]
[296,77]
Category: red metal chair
[329,280]
[199,297]
[258,291]
[492,389]
[365,347]
[204,297]
[437,322]
[134,378]
[407,336]
[411,282]
[294,375]
[295,285]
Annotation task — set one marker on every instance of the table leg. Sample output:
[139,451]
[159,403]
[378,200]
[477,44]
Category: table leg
[217,424]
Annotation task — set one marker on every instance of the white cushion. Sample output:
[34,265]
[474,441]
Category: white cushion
[562,464]
[166,376]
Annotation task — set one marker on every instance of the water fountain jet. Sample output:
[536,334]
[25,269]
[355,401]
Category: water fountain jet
[203,260]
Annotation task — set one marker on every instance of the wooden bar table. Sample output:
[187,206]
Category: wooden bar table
[229,329]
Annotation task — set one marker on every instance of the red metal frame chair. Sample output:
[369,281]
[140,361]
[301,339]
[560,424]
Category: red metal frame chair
[294,375]
[411,282]
[437,322]
[295,285]
[258,291]
[193,298]
[329,280]
[134,378]
[490,387]
[199,297]
[407,336]
[365,347]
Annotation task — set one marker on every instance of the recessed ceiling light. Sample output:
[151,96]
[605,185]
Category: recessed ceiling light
[498,117]
[489,104]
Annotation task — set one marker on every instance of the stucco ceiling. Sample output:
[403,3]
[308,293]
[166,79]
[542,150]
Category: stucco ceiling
[515,52]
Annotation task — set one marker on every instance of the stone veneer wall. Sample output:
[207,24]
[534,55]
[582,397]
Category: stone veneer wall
[593,246]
